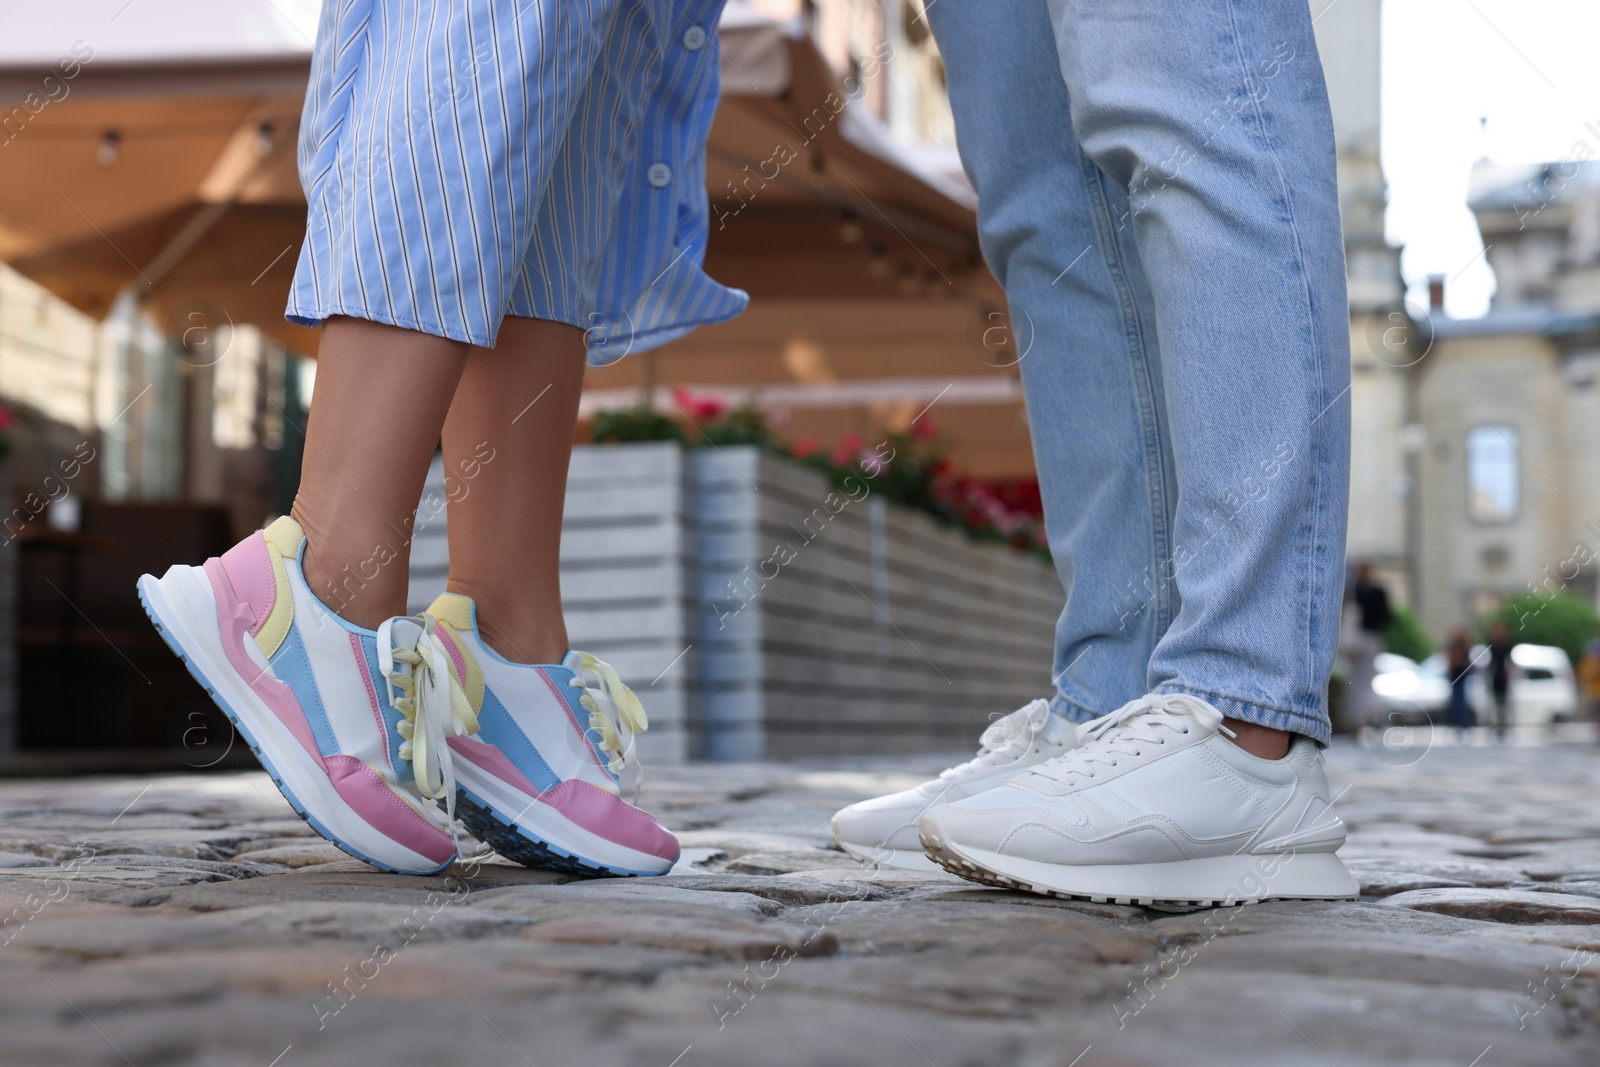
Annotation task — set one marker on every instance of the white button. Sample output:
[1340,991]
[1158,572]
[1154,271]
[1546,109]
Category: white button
[659,175]
[694,38]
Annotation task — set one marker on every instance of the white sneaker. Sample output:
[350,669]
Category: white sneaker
[1154,805]
[884,830]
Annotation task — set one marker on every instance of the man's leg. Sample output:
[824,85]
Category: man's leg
[1198,792]
[1083,326]
[1215,118]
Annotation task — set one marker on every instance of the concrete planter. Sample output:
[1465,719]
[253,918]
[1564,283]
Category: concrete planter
[759,612]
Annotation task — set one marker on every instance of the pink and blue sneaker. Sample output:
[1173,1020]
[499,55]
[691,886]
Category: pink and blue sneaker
[542,780]
[351,724]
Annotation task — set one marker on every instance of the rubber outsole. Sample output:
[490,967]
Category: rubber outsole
[897,859]
[517,844]
[952,860]
[266,764]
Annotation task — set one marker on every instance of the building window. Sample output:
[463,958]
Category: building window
[1494,490]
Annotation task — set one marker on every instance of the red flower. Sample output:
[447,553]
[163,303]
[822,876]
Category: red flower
[849,445]
[5,418]
[698,408]
[924,430]
[804,447]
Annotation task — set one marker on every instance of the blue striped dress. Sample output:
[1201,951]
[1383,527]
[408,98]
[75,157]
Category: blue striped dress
[472,159]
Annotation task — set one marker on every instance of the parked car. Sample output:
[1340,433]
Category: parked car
[1543,689]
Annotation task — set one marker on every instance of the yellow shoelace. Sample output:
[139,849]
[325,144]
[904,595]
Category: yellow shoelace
[432,705]
[615,714]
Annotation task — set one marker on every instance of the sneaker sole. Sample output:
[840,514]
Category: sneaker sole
[1206,882]
[207,662]
[902,859]
[516,843]
[521,828]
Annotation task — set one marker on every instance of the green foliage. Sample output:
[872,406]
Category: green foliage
[744,425]
[910,469]
[1561,620]
[640,423]
[1405,636]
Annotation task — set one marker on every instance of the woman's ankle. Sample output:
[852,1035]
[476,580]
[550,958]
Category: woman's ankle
[531,637]
[362,588]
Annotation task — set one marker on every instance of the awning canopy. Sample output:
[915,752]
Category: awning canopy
[161,156]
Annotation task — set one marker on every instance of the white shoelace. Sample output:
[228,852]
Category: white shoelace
[615,714]
[1145,721]
[416,671]
[1010,737]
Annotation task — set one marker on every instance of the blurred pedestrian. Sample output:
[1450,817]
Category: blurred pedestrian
[1589,679]
[1500,670]
[1458,667]
[1363,636]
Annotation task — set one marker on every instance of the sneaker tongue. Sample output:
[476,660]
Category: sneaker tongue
[1149,712]
[1009,738]
[454,610]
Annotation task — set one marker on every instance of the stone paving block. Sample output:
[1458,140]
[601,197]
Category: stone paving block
[723,938]
[788,890]
[13,860]
[1504,906]
[790,860]
[740,842]
[295,854]
[202,924]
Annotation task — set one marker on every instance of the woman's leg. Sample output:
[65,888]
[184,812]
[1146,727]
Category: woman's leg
[507,442]
[381,397]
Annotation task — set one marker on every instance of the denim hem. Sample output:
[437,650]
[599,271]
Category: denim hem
[1069,709]
[1305,723]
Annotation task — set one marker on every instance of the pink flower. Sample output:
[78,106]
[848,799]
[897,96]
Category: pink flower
[849,445]
[5,417]
[698,408]
[924,430]
[804,447]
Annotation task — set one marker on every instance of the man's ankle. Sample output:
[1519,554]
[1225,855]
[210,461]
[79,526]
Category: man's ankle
[1262,741]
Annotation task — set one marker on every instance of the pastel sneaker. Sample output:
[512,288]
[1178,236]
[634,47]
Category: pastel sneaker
[1155,805]
[542,781]
[883,830]
[328,708]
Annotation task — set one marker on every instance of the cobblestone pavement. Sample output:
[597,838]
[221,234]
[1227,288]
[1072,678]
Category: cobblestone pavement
[193,920]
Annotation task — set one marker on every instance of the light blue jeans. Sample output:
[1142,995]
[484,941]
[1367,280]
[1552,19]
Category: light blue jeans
[1157,196]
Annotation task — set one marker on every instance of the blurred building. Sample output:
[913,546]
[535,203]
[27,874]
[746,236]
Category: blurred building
[1508,424]
[1383,520]
[1476,442]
